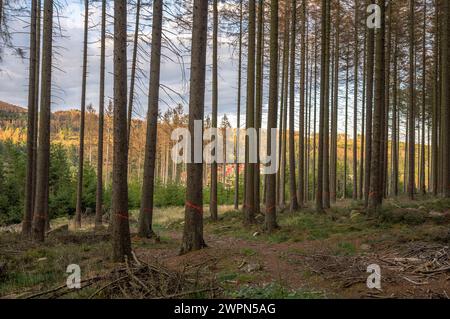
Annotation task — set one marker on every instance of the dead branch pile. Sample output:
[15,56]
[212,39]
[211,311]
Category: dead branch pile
[144,280]
[416,263]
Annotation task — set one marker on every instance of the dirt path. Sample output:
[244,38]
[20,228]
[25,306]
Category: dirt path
[309,266]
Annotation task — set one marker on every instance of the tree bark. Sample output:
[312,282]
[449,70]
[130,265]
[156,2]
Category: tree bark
[323,106]
[120,217]
[250,119]
[259,99]
[213,189]
[43,154]
[394,179]
[28,212]
[445,100]
[238,125]
[292,184]
[412,104]
[422,185]
[101,122]
[193,223]
[334,117]
[271,217]
[77,221]
[369,109]
[355,107]
[148,184]
[133,70]
[301,152]
[375,195]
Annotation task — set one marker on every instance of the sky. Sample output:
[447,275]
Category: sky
[67,71]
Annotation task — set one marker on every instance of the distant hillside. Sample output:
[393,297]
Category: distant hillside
[10,108]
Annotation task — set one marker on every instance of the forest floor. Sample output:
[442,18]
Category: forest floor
[310,256]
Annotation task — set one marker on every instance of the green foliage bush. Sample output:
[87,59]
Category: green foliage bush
[63,185]
[62,182]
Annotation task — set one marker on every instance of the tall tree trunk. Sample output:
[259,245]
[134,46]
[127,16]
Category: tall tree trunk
[445,100]
[323,105]
[282,186]
[250,119]
[133,70]
[77,222]
[363,117]
[424,83]
[292,185]
[43,154]
[238,125]
[213,189]
[193,223]
[355,107]
[412,103]
[385,110]
[326,136]
[148,184]
[395,171]
[259,99]
[28,212]
[36,103]
[271,217]
[301,159]
[369,109]
[315,115]
[101,122]
[436,105]
[346,123]
[334,117]
[375,196]
[120,217]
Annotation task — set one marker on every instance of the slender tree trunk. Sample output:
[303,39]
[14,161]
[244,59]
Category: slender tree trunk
[355,108]
[375,195]
[422,185]
[284,77]
[133,70]
[445,101]
[146,213]
[395,171]
[36,103]
[292,185]
[363,118]
[334,117]
[315,116]
[405,155]
[346,123]
[77,222]
[270,217]
[259,99]
[323,106]
[43,154]
[412,103]
[369,109]
[250,167]
[385,110]
[238,125]
[193,224]
[101,122]
[213,189]
[301,152]
[282,186]
[436,106]
[120,217]
[28,212]
[326,145]
[308,133]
